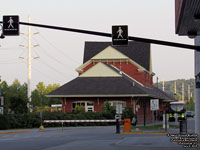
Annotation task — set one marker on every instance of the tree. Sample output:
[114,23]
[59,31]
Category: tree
[16,97]
[128,113]
[108,110]
[4,88]
[39,95]
[40,87]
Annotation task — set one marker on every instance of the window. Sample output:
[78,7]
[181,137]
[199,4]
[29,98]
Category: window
[115,103]
[89,106]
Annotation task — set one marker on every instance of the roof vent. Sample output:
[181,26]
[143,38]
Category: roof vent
[133,83]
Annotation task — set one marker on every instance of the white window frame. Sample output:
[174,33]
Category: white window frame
[118,102]
[85,105]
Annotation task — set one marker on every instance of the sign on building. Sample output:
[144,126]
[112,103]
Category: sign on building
[11,25]
[154,105]
[120,35]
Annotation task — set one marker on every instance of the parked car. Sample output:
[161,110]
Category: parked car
[189,114]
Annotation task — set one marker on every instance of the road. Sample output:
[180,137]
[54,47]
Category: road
[85,138]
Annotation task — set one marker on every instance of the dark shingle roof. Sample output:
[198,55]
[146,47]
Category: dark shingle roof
[97,86]
[137,51]
[106,86]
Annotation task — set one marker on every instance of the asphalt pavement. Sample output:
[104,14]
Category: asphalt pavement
[85,138]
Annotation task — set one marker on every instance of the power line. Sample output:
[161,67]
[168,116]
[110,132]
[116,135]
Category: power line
[60,73]
[10,62]
[45,74]
[50,43]
[53,58]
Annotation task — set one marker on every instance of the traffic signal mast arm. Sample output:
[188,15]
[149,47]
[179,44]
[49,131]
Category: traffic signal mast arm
[153,41]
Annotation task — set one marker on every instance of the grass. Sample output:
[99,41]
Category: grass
[153,127]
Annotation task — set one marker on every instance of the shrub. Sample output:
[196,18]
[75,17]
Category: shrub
[108,111]
[128,113]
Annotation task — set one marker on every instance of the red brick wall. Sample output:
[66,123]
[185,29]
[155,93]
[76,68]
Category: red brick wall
[98,102]
[130,70]
[140,113]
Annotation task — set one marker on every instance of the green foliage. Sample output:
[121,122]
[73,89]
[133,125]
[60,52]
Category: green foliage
[190,105]
[169,88]
[128,113]
[108,110]
[14,121]
[33,120]
[79,109]
[15,97]
[39,95]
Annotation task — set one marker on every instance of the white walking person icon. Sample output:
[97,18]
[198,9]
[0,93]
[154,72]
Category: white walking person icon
[10,21]
[120,31]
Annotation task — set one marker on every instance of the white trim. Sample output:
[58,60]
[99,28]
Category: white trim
[126,95]
[128,76]
[100,70]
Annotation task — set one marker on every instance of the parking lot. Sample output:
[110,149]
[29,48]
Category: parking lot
[84,138]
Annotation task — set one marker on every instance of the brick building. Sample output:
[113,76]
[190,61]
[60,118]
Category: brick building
[121,75]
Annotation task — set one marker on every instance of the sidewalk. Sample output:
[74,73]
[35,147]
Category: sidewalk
[137,129]
[159,138]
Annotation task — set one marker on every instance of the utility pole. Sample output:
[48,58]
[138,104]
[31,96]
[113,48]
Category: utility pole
[175,89]
[183,92]
[29,65]
[163,85]
[189,93]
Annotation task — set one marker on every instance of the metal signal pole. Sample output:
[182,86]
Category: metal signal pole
[197,89]
[29,65]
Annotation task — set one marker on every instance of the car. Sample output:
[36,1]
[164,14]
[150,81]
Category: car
[189,114]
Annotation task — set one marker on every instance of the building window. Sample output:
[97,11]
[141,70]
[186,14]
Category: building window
[115,103]
[89,106]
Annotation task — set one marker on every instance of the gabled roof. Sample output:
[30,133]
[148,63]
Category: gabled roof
[100,70]
[109,53]
[137,51]
[107,87]
[97,87]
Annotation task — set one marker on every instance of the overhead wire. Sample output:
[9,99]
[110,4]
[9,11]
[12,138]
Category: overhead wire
[44,74]
[53,58]
[60,50]
[57,71]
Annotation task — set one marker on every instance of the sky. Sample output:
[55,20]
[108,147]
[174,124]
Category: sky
[60,53]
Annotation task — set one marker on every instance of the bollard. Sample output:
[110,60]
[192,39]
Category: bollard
[117,126]
[62,127]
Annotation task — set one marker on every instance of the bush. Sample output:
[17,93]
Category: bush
[33,120]
[108,111]
[128,113]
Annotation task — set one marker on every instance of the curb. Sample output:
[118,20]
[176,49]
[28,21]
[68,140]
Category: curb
[155,133]
[12,132]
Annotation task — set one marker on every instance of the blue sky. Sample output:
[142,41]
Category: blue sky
[62,52]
